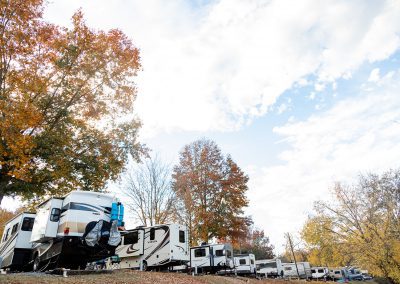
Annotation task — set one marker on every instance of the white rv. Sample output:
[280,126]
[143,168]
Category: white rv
[15,246]
[319,272]
[303,268]
[245,264]
[75,229]
[211,258]
[269,268]
[160,246]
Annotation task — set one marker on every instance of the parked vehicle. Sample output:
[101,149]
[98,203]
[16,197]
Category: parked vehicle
[15,245]
[75,229]
[354,274]
[337,274]
[211,258]
[269,268]
[160,246]
[319,272]
[245,264]
[303,268]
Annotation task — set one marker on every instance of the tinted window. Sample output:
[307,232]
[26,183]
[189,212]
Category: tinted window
[152,234]
[337,272]
[14,228]
[252,261]
[131,238]
[320,271]
[219,252]
[27,224]
[200,252]
[181,236]
[55,214]
[313,271]
[269,265]
[228,253]
[288,268]
[242,261]
[6,235]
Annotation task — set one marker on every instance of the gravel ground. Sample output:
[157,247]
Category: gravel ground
[131,276]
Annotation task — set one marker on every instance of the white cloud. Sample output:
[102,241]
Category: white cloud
[217,67]
[319,87]
[374,75]
[311,96]
[357,135]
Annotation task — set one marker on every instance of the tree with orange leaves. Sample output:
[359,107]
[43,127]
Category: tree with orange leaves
[66,101]
[210,190]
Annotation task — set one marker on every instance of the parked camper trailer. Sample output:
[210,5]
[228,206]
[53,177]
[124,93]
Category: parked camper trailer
[245,264]
[211,258]
[15,246]
[269,268]
[75,229]
[319,272]
[303,268]
[160,246]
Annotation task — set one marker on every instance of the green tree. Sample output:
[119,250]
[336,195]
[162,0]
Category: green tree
[66,101]
[210,190]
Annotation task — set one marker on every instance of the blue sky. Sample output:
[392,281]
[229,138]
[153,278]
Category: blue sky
[300,93]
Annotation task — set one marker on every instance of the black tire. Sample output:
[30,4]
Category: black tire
[36,263]
[144,266]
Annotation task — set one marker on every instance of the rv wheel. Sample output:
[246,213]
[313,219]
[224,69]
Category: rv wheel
[144,266]
[36,263]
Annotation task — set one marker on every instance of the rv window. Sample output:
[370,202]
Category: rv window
[320,271]
[288,268]
[27,224]
[252,261]
[152,234]
[6,235]
[313,271]
[199,252]
[14,228]
[228,253]
[181,236]
[55,215]
[219,252]
[269,265]
[242,261]
[131,238]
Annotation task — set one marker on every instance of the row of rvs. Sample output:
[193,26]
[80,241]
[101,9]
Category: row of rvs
[272,268]
[84,227]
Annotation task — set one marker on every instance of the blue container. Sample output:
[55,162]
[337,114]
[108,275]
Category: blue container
[114,211]
[121,215]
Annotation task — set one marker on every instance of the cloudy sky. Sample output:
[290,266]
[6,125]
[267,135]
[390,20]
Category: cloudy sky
[300,93]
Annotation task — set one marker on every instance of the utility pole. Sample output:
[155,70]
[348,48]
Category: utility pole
[294,257]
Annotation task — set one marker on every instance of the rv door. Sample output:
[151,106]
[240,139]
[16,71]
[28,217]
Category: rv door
[46,222]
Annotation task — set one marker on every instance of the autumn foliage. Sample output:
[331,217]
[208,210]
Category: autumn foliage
[210,190]
[361,226]
[66,100]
